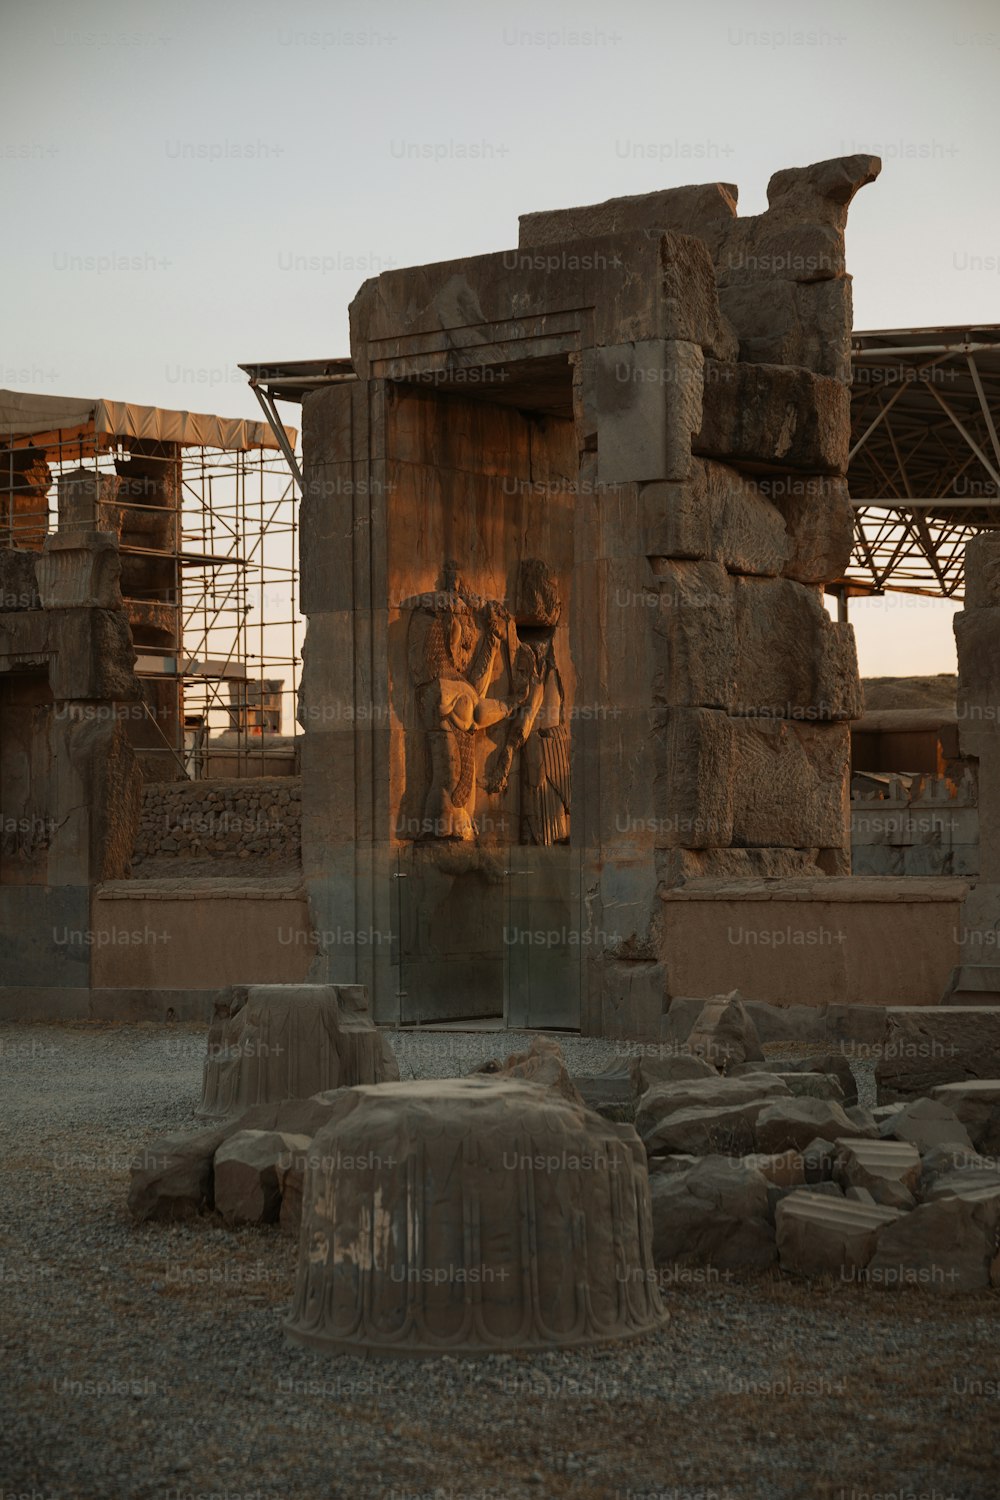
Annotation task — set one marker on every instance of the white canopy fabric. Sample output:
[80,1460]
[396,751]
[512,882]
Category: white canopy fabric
[25,414]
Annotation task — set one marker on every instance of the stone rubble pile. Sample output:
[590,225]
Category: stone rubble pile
[768,1164]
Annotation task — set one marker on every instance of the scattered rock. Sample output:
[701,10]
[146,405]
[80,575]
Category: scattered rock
[542,1063]
[715,1212]
[712,1107]
[820,1236]
[890,1170]
[864,1120]
[247,1190]
[724,1034]
[172,1176]
[674,1067]
[948,1245]
[976,1103]
[926,1123]
[792,1124]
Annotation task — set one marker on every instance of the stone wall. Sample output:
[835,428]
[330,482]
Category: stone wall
[253,819]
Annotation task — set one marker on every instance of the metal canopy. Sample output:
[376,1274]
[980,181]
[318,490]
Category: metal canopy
[924,468]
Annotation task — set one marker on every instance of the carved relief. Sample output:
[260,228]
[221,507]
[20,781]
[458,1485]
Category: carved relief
[459,644]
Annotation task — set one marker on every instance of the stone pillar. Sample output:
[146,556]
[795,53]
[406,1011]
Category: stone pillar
[976,978]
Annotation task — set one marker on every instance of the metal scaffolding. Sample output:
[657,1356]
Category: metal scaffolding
[215,618]
[924,470]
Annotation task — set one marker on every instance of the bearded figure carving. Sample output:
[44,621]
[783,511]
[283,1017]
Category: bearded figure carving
[455,644]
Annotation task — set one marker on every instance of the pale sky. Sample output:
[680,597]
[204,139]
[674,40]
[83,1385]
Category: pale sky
[191,185]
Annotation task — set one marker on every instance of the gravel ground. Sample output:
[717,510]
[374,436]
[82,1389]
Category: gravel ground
[151,1362]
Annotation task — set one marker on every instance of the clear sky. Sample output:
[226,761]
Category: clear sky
[190,185]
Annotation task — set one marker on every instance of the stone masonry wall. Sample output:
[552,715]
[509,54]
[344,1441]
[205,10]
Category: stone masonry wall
[250,819]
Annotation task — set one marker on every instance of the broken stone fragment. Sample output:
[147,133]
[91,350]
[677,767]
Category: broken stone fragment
[890,1170]
[947,1246]
[927,1123]
[821,1236]
[793,1124]
[724,1034]
[713,1213]
[171,1178]
[247,1187]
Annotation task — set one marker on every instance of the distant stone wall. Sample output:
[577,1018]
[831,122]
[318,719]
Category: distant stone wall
[255,819]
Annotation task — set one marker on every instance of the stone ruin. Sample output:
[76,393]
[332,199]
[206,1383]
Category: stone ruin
[564,541]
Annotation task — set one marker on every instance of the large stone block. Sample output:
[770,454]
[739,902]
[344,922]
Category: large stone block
[976,1104]
[714,1213]
[819,524]
[794,323]
[704,210]
[929,1045]
[977,636]
[648,407]
[791,1124]
[948,1246]
[717,515]
[171,1178]
[690,307]
[89,501]
[246,1174]
[820,1236]
[694,786]
[790,783]
[79,569]
[982,571]
[694,627]
[94,656]
[773,417]
[18,584]
[791,660]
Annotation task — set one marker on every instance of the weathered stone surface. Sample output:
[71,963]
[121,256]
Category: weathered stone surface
[807,324]
[543,1063]
[670,1067]
[649,404]
[715,1213]
[791,660]
[171,1178]
[792,1124]
[976,1104]
[931,1045]
[291,1173]
[821,1236]
[701,210]
[927,1123]
[694,631]
[784,1170]
[471,1146]
[968,1181]
[773,417]
[247,1189]
[717,515]
[948,1246]
[724,1034]
[982,571]
[78,569]
[691,311]
[719,1129]
[863,1118]
[760,781]
[660,1108]
[94,656]
[272,1042]
[89,502]
[890,1170]
[826,1064]
[815,1086]
[819,523]
[18,584]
